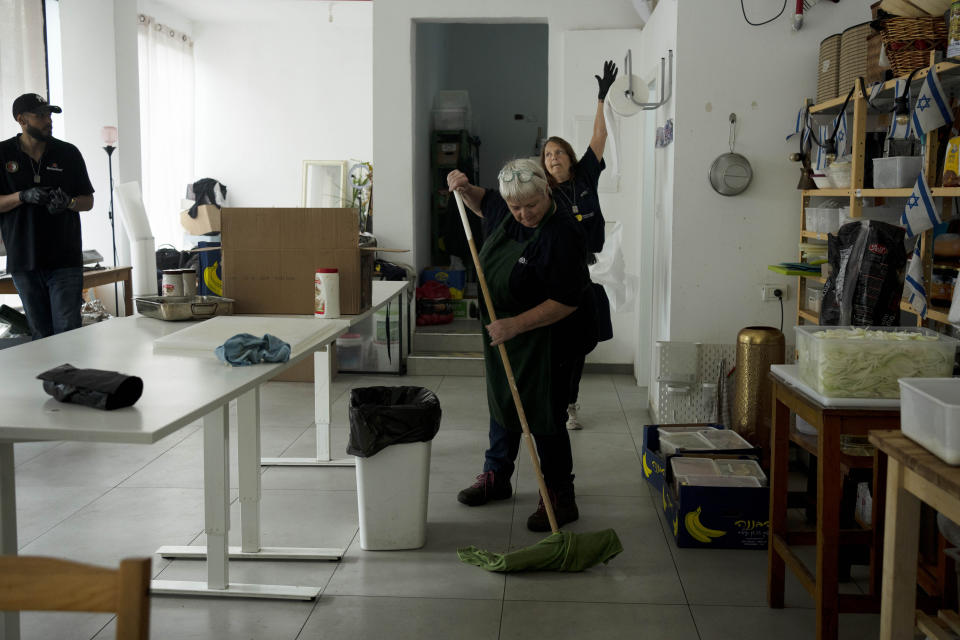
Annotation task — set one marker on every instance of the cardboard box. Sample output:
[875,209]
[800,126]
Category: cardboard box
[206,222]
[456,279]
[740,513]
[270,258]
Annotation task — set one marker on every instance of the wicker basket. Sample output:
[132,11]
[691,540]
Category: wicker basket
[828,69]
[853,56]
[909,41]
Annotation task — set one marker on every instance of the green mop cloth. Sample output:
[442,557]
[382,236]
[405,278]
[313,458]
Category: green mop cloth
[561,551]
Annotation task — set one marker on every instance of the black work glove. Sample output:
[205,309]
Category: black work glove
[609,75]
[58,201]
[35,195]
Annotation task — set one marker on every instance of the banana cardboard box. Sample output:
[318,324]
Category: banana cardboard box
[717,517]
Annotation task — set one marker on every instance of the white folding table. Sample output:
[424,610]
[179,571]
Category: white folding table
[177,391]
[383,292]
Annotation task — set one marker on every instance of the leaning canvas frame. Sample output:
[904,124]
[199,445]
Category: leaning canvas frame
[324,183]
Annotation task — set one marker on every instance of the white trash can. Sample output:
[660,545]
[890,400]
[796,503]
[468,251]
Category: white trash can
[392,490]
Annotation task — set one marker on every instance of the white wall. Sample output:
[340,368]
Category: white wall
[95,34]
[393,116]
[722,245]
[284,86]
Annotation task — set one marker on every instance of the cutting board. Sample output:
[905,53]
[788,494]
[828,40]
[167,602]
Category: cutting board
[790,374]
[202,338]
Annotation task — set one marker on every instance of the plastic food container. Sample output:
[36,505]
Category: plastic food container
[822,182]
[930,415]
[671,443]
[725,439]
[814,298]
[718,481]
[839,173]
[693,466]
[896,173]
[858,362]
[742,468]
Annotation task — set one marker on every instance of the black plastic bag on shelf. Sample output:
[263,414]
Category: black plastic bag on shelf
[95,388]
[382,416]
[204,191]
[868,261]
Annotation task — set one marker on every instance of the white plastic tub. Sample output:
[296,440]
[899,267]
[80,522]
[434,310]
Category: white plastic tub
[930,415]
[392,490]
[896,173]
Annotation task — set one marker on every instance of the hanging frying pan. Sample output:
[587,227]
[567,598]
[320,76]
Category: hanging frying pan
[731,173]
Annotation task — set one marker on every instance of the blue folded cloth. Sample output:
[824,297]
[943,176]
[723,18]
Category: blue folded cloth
[244,349]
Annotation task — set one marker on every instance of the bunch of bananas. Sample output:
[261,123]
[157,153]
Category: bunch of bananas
[696,529]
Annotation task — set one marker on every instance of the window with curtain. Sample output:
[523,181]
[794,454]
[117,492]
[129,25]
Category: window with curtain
[23,65]
[166,125]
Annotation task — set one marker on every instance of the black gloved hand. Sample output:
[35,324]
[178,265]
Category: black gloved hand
[609,75]
[58,200]
[35,195]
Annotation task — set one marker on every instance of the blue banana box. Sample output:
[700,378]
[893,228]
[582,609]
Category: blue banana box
[717,517]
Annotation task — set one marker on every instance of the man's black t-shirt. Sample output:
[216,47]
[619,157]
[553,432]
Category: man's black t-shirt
[34,237]
[581,192]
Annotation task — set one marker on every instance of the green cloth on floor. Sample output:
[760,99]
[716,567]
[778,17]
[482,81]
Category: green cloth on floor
[561,551]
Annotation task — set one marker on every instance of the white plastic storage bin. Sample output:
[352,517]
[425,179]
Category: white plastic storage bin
[930,415]
[896,173]
[451,110]
[392,490]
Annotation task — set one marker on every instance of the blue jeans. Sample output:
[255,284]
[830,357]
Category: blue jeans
[556,459]
[51,299]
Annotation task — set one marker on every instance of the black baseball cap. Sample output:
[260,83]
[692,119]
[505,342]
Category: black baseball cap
[32,103]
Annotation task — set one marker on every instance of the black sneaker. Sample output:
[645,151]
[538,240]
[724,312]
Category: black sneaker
[485,489]
[564,508]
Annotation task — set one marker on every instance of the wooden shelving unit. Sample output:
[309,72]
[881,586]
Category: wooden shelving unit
[856,192]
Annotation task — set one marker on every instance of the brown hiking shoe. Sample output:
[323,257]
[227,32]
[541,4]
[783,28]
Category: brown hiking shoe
[486,488]
[564,508]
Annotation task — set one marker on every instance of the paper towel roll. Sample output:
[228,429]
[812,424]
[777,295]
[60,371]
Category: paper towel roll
[141,242]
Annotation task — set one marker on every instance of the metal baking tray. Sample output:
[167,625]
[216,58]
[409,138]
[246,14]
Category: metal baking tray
[176,308]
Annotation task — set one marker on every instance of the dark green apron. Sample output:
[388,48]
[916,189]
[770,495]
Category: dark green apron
[530,352]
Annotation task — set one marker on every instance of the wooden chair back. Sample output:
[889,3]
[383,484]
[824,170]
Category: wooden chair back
[33,583]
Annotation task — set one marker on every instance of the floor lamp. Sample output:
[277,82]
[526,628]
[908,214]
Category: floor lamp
[109,135]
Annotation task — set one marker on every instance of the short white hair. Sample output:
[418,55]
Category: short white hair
[515,189]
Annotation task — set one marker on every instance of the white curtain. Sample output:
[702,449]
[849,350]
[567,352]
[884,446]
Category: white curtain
[23,66]
[166,125]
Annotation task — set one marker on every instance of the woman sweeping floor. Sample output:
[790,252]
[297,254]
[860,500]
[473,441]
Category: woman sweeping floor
[534,259]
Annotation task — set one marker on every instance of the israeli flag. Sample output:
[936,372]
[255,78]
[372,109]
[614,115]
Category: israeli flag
[842,137]
[913,290]
[920,213]
[900,131]
[875,90]
[799,125]
[931,110]
[820,164]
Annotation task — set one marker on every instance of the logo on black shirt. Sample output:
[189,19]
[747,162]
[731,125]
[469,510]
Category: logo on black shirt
[12,166]
[522,260]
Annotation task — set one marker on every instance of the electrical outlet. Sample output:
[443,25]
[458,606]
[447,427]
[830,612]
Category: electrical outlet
[767,292]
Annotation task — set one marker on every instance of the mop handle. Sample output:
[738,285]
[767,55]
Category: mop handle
[506,365]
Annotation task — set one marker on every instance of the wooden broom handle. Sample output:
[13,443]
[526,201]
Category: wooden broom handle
[544,494]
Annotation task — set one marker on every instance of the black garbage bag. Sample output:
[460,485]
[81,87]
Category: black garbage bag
[95,388]
[382,416]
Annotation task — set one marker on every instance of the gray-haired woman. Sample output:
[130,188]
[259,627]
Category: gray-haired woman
[534,261]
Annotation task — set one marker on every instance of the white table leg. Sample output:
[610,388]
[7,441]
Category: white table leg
[322,410]
[248,445]
[216,487]
[9,620]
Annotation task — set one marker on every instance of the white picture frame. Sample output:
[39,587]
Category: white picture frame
[324,184]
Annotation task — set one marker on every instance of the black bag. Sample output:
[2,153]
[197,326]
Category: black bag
[382,416]
[95,388]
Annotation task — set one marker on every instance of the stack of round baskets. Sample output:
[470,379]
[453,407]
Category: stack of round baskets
[853,56]
[909,41]
[828,70]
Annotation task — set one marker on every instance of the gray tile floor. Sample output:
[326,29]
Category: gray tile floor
[100,503]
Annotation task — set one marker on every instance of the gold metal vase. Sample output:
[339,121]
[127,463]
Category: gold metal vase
[757,349]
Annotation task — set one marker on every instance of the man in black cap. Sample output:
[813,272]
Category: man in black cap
[43,187]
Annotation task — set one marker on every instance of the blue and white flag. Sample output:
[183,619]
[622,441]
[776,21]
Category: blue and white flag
[820,161]
[841,137]
[931,110]
[875,90]
[799,124]
[913,290]
[900,131]
[920,213]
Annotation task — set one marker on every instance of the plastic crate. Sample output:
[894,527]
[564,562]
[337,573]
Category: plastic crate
[896,173]
[930,415]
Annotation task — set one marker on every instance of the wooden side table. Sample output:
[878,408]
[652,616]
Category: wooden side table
[831,423]
[914,475]
[93,278]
